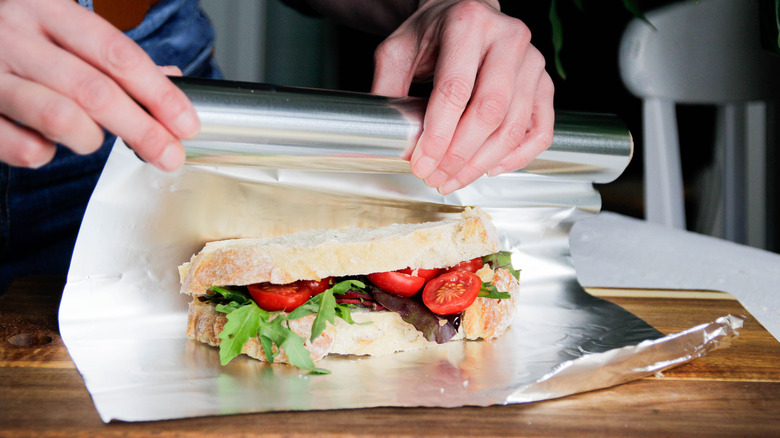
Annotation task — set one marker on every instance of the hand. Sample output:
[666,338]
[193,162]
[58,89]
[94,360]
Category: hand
[65,72]
[491,107]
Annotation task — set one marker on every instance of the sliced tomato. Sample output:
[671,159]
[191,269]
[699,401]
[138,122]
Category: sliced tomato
[472,265]
[273,297]
[317,287]
[427,274]
[451,292]
[396,282]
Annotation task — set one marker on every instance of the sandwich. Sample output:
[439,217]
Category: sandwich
[299,297]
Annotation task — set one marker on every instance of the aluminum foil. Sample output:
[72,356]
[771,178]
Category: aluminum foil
[123,320]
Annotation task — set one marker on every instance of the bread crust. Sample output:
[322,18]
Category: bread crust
[387,333]
[317,254]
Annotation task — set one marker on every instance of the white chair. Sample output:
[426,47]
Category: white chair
[705,52]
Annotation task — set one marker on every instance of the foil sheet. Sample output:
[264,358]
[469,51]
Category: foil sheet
[123,320]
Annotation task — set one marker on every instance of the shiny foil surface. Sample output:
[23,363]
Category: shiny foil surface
[123,320]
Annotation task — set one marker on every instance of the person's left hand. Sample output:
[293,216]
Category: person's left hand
[491,108]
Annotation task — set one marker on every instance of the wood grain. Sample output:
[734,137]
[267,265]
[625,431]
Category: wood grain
[730,392]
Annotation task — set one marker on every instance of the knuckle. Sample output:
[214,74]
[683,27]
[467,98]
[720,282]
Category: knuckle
[171,101]
[469,10]
[519,33]
[455,91]
[536,59]
[436,141]
[151,142]
[515,133]
[94,93]
[388,49]
[544,139]
[57,117]
[491,109]
[31,153]
[121,53]
[453,162]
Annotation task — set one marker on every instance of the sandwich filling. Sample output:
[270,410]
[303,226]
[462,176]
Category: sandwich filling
[433,301]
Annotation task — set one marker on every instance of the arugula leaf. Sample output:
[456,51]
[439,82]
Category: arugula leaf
[242,324]
[502,260]
[298,355]
[326,307]
[240,297]
[326,312]
[229,307]
[246,320]
[489,290]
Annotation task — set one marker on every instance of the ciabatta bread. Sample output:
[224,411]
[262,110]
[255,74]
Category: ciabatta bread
[317,254]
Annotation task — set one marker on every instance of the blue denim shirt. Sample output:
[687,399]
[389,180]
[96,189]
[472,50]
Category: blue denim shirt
[41,209]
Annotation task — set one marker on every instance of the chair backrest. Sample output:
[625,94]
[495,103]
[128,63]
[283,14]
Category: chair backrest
[700,52]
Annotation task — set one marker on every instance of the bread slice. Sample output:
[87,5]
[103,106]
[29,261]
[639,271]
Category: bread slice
[317,254]
[385,332]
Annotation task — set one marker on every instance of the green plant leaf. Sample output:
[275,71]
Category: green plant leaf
[242,324]
[557,37]
[489,290]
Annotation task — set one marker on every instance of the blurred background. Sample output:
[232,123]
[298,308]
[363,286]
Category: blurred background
[266,41]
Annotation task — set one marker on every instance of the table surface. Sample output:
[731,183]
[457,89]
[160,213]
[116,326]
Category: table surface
[733,391]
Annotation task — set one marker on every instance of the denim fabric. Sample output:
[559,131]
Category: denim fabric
[41,209]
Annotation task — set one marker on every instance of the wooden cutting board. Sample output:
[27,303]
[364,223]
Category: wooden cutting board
[730,392]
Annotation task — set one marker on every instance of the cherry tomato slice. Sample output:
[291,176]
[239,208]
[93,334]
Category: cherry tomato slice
[273,297]
[451,292]
[472,265]
[427,274]
[398,283]
[316,287]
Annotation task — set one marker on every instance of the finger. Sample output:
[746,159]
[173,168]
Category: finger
[119,57]
[56,117]
[540,135]
[100,97]
[170,70]
[494,91]
[23,147]
[453,83]
[513,130]
[394,65]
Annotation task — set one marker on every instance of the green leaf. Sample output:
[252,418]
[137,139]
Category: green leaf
[325,313]
[557,37]
[489,290]
[326,308]
[229,307]
[268,348]
[240,297]
[242,324]
[633,7]
[343,286]
[502,260]
[246,320]
[298,355]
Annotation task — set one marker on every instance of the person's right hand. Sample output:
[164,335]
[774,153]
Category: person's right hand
[65,73]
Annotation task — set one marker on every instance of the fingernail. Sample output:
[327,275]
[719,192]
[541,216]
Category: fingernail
[187,124]
[423,167]
[172,158]
[436,178]
[449,187]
